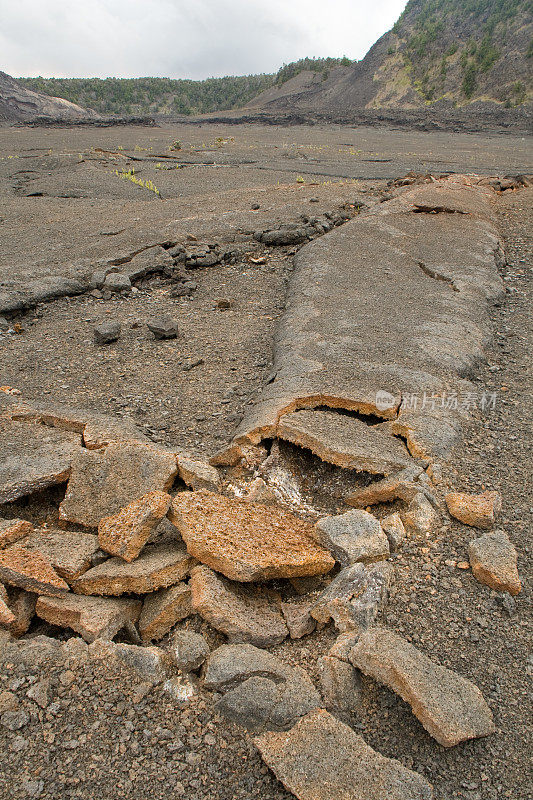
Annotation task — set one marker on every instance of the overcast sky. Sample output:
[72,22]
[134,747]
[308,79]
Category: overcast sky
[182,38]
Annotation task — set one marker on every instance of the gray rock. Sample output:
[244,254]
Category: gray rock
[354,597]
[117,282]
[297,614]
[394,530]
[340,684]
[353,536]
[283,236]
[250,703]
[232,664]
[4,325]
[163,328]
[189,649]
[14,720]
[107,332]
[494,562]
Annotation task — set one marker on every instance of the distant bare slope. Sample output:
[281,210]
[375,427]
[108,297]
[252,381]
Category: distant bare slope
[18,104]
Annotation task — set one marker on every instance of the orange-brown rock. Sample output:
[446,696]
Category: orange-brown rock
[6,615]
[31,571]
[22,604]
[197,474]
[247,541]
[124,534]
[68,553]
[91,617]
[494,562]
[477,510]
[161,611]
[11,530]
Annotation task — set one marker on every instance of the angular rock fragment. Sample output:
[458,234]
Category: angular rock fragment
[161,610]
[157,567]
[163,328]
[231,664]
[477,510]
[70,554]
[400,486]
[30,571]
[102,483]
[124,534]
[297,614]
[244,614]
[116,282]
[22,604]
[247,541]
[494,562]
[197,474]
[320,758]
[11,530]
[344,441]
[128,661]
[394,530]
[33,457]
[420,516]
[107,332]
[340,684]
[189,650]
[353,536]
[6,615]
[354,597]
[450,707]
[91,617]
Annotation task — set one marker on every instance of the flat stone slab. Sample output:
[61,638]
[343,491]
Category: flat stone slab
[31,571]
[69,553]
[92,617]
[197,474]
[344,441]
[12,530]
[355,597]
[161,610]
[321,758]
[247,541]
[400,485]
[243,613]
[156,568]
[102,483]
[353,536]
[494,562]
[33,457]
[124,534]
[477,510]
[450,707]
[231,664]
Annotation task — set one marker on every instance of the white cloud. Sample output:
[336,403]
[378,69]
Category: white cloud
[180,38]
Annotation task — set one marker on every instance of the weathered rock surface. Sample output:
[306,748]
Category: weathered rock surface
[33,457]
[6,615]
[232,664]
[117,282]
[494,562]
[157,567]
[107,332]
[247,541]
[163,327]
[321,759]
[394,530]
[477,510]
[344,441]
[340,684]
[400,486]
[91,617]
[102,483]
[70,554]
[420,516]
[161,610]
[31,571]
[189,650]
[243,613]
[450,707]
[355,597]
[22,604]
[297,614]
[12,530]
[124,534]
[123,661]
[353,536]
[197,474]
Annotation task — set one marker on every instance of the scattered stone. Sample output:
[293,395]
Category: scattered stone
[30,571]
[283,236]
[244,614]
[163,328]
[232,664]
[340,684]
[91,617]
[353,536]
[297,614]
[197,474]
[70,554]
[157,567]
[420,516]
[320,758]
[450,707]
[14,720]
[494,562]
[101,483]
[4,325]
[477,510]
[107,332]
[22,604]
[124,534]
[180,688]
[342,646]
[247,541]
[147,262]
[40,693]
[33,457]
[400,486]
[189,649]
[117,282]
[394,530]
[128,660]
[354,597]
[161,611]
[11,530]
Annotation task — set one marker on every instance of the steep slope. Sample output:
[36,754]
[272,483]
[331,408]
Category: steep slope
[18,104]
[456,50]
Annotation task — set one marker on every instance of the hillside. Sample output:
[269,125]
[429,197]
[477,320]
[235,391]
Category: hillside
[17,103]
[459,51]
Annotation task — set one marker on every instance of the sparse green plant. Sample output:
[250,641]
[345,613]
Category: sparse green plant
[131,176]
[300,179]
[175,145]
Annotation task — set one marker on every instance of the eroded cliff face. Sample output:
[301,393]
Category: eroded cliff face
[18,104]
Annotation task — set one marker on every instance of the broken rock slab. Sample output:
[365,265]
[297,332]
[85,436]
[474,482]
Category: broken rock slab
[92,617]
[344,441]
[197,474]
[420,517]
[156,568]
[33,457]
[394,530]
[297,615]
[70,554]
[31,571]
[340,684]
[231,664]
[355,597]
[22,605]
[477,510]
[401,486]
[243,613]
[247,541]
[6,615]
[124,534]
[450,707]
[353,536]
[103,482]
[12,530]
[189,650]
[161,610]
[494,562]
[321,758]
